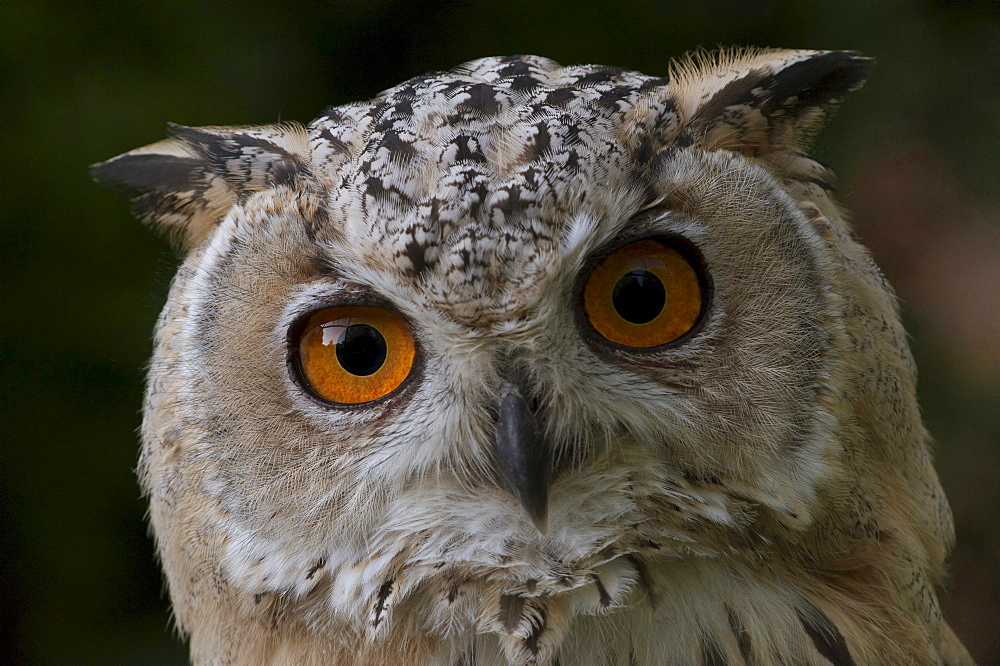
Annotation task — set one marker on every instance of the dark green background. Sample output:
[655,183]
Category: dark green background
[82,283]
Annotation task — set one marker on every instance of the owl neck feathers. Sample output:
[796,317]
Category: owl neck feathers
[694,611]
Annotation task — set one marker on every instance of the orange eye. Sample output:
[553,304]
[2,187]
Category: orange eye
[645,294]
[353,354]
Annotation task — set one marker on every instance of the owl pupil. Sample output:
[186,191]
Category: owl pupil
[639,297]
[361,350]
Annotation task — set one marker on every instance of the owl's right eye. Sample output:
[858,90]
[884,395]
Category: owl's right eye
[353,354]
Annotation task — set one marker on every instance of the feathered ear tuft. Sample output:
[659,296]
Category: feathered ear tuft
[756,101]
[185,185]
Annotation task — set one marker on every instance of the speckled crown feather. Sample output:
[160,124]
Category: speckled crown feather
[497,139]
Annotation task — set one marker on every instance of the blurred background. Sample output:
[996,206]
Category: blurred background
[916,151]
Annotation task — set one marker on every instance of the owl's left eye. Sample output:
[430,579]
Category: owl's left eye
[647,294]
[353,354]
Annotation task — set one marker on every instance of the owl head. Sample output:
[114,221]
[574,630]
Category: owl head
[518,347]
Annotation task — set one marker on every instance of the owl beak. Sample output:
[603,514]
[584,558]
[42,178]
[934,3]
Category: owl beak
[523,456]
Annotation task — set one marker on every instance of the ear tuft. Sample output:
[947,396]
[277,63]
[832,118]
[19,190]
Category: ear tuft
[184,186]
[250,159]
[171,189]
[757,101]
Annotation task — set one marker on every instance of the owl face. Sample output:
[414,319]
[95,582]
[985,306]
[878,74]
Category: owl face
[513,332]
[497,302]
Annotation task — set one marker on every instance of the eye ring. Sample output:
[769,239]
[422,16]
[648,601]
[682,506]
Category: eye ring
[646,295]
[351,355]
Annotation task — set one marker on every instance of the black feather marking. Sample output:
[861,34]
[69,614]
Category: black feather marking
[822,184]
[515,67]
[319,564]
[468,149]
[129,175]
[825,636]
[511,608]
[482,99]
[685,139]
[658,82]
[332,143]
[605,598]
[380,602]
[711,653]
[541,143]
[561,96]
[610,98]
[415,252]
[532,641]
[818,80]
[600,74]
[742,636]
[396,146]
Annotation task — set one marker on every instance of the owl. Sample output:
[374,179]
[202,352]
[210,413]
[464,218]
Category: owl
[529,364]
